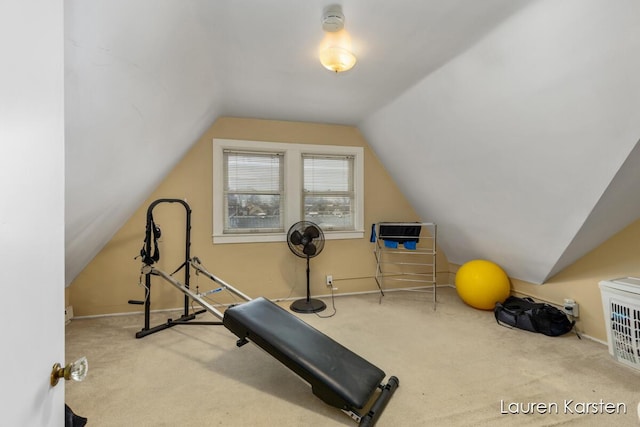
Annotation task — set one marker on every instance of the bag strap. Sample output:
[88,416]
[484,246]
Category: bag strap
[497,308]
[495,311]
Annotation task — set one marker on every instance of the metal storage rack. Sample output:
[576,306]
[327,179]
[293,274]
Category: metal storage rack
[406,251]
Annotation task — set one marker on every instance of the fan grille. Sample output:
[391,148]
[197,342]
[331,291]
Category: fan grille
[305,239]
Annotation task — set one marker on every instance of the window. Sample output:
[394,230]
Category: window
[260,189]
[253,192]
[328,193]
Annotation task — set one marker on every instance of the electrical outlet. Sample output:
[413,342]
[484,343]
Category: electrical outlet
[329,280]
[570,307]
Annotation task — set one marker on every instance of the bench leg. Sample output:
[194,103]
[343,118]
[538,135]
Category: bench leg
[381,402]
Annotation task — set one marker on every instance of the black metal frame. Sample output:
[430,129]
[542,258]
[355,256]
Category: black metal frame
[186,318]
[367,420]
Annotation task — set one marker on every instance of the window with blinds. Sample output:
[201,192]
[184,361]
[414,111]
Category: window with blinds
[328,190]
[262,188]
[253,191]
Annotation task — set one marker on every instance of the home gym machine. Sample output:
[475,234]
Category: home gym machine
[150,254]
[337,376]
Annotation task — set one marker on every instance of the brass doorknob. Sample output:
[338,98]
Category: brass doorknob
[76,371]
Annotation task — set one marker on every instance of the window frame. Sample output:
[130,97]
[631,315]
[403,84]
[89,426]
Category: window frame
[293,181]
[226,153]
[349,193]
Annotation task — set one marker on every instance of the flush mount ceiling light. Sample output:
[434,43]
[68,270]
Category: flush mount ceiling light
[335,49]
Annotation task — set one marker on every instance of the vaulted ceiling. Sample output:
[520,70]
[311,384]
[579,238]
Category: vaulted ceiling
[513,124]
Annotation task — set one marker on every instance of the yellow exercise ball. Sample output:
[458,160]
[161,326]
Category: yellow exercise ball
[481,284]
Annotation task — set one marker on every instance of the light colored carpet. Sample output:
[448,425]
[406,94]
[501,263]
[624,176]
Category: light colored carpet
[456,367]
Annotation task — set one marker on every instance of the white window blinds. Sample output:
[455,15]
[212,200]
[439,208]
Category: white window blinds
[253,191]
[328,190]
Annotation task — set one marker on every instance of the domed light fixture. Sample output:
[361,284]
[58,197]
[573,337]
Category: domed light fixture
[335,49]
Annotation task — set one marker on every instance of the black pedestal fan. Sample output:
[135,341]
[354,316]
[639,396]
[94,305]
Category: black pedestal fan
[306,240]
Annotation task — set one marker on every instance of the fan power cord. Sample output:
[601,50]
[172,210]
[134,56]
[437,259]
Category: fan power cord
[333,304]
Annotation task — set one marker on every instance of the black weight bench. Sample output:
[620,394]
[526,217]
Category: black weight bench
[338,376]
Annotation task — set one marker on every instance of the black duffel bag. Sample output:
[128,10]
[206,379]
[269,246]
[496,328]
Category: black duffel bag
[526,314]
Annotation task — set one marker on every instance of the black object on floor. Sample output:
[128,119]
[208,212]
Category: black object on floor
[338,376]
[71,419]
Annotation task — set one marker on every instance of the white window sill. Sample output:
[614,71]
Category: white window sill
[281,237]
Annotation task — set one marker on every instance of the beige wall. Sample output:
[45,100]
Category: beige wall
[618,257]
[267,269]
[271,270]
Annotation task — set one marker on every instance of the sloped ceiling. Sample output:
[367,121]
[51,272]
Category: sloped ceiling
[510,123]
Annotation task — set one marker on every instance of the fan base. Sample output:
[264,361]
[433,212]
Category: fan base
[308,306]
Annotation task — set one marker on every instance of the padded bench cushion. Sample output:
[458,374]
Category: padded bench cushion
[338,376]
